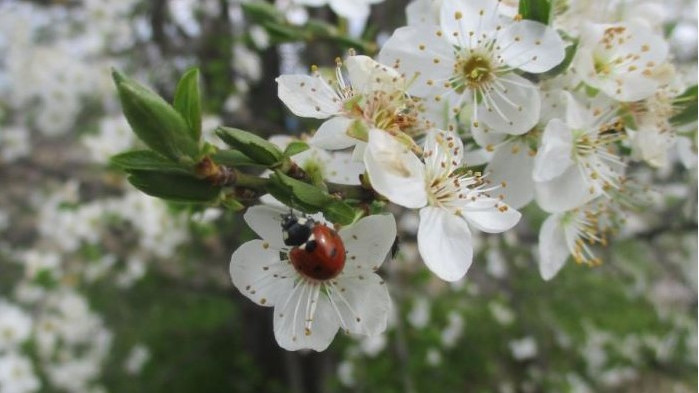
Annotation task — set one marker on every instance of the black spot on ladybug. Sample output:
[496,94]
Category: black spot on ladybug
[311,245]
[333,252]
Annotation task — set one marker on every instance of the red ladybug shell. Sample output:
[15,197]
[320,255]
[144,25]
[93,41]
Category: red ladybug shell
[321,257]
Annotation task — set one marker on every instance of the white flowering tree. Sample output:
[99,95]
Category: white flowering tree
[334,199]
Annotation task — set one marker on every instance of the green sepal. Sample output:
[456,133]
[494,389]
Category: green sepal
[295,148]
[298,194]
[155,122]
[687,105]
[188,101]
[232,204]
[258,149]
[358,130]
[146,160]
[233,158]
[174,187]
[340,212]
[536,10]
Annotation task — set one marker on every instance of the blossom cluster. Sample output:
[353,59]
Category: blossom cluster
[473,111]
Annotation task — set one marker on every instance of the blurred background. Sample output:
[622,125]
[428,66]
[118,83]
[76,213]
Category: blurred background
[104,289]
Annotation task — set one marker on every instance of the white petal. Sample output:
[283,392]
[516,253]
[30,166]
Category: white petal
[259,274]
[367,243]
[485,136]
[422,12]
[308,96]
[553,249]
[350,9]
[512,165]
[565,192]
[464,17]
[332,134]
[362,303]
[368,76]
[420,54]
[342,169]
[511,106]
[306,319]
[266,221]
[554,155]
[531,46]
[444,242]
[394,171]
[490,215]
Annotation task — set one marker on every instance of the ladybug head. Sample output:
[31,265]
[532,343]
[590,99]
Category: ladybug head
[296,230]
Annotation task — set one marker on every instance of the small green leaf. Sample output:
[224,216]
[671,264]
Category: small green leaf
[341,213]
[146,160]
[687,107]
[174,187]
[258,149]
[232,204]
[188,101]
[233,158]
[295,147]
[155,122]
[298,194]
[261,11]
[536,10]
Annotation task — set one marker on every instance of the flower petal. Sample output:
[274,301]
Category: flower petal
[266,222]
[367,75]
[361,302]
[491,215]
[308,96]
[565,192]
[332,134]
[444,242]
[342,169]
[531,46]
[368,242]
[421,54]
[511,105]
[462,19]
[553,248]
[554,155]
[443,151]
[395,171]
[512,166]
[350,9]
[259,274]
[305,319]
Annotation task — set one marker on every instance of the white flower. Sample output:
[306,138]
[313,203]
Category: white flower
[17,374]
[570,233]
[576,161]
[353,9]
[308,311]
[624,60]
[471,58]
[523,349]
[15,326]
[449,199]
[14,143]
[372,97]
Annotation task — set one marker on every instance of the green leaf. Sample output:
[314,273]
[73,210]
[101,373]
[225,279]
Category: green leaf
[233,158]
[174,187]
[295,147]
[188,101]
[298,194]
[258,149]
[262,11]
[155,122]
[536,10]
[232,204]
[687,104]
[563,65]
[341,213]
[146,160]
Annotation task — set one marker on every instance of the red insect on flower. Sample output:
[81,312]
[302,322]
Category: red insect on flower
[318,251]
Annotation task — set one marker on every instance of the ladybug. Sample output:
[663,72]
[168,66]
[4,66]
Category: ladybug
[317,250]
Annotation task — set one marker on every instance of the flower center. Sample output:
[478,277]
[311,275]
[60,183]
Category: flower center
[474,70]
